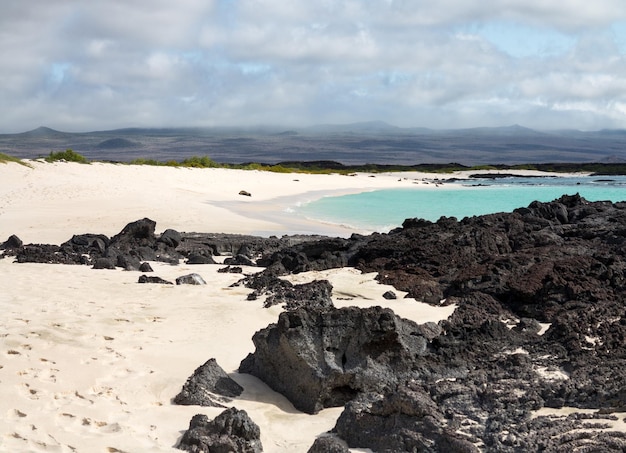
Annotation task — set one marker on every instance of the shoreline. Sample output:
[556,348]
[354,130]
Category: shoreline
[92,359]
[48,202]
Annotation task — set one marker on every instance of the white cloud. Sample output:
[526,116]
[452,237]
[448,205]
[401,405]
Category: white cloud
[71,64]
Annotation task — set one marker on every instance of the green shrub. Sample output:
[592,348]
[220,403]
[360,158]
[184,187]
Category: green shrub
[68,156]
[199,162]
[4,158]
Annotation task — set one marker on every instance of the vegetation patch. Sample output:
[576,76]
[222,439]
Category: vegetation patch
[4,158]
[67,156]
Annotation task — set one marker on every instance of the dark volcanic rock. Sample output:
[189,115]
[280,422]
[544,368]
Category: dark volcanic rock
[104,263]
[328,444]
[316,294]
[13,242]
[230,270]
[171,238]
[200,259]
[231,431]
[208,386]
[239,260]
[190,279]
[153,279]
[145,267]
[406,419]
[324,358]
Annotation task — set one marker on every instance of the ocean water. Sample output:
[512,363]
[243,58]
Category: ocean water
[382,210]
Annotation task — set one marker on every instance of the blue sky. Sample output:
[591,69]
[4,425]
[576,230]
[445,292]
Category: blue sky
[80,66]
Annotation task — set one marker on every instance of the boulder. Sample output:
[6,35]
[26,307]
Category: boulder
[324,358]
[190,279]
[199,259]
[231,431]
[153,279]
[405,419]
[209,385]
[145,267]
[171,238]
[328,444]
[13,242]
[239,260]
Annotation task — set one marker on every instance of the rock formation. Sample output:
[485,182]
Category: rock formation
[231,431]
[325,357]
[209,385]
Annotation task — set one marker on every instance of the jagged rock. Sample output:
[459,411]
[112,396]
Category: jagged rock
[245,193]
[230,270]
[145,267]
[231,431]
[127,262]
[200,259]
[88,243]
[13,242]
[239,260]
[389,295]
[264,283]
[324,358]
[136,234]
[328,444]
[405,419]
[316,294]
[190,279]
[208,386]
[153,279]
[171,238]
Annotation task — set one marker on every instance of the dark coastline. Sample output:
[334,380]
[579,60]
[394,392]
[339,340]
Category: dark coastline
[470,383]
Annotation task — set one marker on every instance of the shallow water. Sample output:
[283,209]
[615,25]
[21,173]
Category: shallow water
[382,210]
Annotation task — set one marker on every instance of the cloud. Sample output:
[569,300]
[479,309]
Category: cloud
[102,64]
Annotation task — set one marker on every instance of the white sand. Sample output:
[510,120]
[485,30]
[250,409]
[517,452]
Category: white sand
[90,360]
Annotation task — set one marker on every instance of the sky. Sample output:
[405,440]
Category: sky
[102,64]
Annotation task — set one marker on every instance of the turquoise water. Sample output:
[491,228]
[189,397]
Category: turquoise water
[382,210]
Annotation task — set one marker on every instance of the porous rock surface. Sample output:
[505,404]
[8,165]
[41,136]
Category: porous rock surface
[209,385]
[325,357]
[231,431]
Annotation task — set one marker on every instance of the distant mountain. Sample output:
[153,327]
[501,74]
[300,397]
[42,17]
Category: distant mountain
[44,132]
[373,142]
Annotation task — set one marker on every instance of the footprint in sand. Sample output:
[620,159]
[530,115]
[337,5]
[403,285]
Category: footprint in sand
[15,414]
[29,392]
[44,375]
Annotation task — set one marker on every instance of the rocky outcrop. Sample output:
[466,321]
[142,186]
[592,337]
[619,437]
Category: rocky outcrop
[324,358]
[316,294]
[406,419]
[231,431]
[209,385]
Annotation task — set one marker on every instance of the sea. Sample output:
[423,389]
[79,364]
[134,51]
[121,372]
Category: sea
[383,210]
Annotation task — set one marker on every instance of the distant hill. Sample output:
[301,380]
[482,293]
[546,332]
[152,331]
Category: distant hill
[44,132]
[371,142]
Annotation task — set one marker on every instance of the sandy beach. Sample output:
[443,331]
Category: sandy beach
[91,359]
